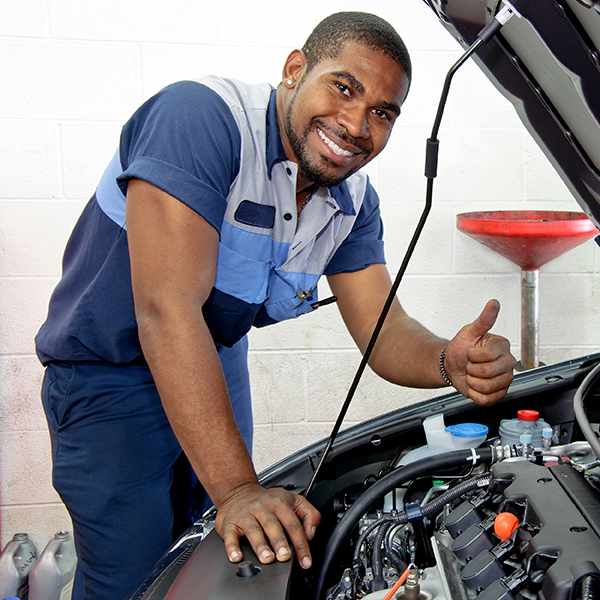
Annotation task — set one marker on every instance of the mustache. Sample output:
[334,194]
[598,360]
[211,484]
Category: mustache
[341,134]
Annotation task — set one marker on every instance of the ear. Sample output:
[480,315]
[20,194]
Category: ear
[294,67]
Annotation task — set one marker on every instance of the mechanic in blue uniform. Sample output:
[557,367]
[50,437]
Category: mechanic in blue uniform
[223,206]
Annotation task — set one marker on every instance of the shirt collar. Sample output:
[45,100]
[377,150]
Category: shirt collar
[275,150]
[341,194]
[276,153]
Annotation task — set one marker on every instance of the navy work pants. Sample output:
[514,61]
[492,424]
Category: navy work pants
[120,470]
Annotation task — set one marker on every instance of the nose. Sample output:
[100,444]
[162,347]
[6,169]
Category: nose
[354,119]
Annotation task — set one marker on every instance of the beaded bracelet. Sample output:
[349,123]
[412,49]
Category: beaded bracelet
[442,369]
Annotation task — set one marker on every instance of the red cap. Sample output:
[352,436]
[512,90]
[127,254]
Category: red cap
[528,415]
[504,524]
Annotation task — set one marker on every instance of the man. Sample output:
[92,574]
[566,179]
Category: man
[224,205]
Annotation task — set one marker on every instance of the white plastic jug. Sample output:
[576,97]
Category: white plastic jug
[16,561]
[441,439]
[52,576]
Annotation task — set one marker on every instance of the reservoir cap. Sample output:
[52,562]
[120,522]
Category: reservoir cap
[528,415]
[468,430]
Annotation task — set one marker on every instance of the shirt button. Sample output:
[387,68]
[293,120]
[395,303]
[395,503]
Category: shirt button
[288,170]
[287,217]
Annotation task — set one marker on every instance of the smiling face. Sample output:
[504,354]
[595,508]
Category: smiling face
[338,116]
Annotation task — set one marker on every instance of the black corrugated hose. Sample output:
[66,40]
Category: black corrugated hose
[377,560]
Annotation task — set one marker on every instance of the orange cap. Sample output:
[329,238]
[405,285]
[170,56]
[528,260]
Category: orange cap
[504,524]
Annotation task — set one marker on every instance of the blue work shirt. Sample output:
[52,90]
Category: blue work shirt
[215,145]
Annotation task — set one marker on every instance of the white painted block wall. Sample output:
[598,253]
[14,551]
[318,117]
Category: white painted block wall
[71,74]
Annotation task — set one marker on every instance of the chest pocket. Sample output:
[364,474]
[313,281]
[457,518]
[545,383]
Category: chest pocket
[255,215]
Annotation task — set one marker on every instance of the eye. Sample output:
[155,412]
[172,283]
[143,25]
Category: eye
[382,114]
[343,88]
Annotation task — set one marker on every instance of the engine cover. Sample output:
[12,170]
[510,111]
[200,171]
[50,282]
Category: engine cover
[556,546]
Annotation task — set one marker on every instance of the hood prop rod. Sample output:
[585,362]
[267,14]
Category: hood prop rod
[431,160]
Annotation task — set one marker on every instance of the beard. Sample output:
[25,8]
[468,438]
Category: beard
[314,170]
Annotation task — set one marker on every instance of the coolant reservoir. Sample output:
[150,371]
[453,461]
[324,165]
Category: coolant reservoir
[527,422]
[441,439]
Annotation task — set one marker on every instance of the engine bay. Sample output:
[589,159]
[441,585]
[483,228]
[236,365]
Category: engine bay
[517,517]
[524,527]
[517,520]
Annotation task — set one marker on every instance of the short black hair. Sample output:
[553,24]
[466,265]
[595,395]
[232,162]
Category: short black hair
[328,38]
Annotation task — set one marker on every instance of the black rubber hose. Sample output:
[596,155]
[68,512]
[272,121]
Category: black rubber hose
[392,553]
[396,560]
[366,533]
[378,490]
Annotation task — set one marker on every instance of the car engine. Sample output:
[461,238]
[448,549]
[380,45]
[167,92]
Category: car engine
[528,526]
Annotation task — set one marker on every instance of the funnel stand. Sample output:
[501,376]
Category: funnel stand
[530,319]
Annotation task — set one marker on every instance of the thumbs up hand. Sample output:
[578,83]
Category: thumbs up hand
[479,363]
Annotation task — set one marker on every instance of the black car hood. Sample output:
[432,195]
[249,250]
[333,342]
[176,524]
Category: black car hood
[547,63]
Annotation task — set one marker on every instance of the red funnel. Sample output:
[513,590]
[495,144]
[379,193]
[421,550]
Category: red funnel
[529,238]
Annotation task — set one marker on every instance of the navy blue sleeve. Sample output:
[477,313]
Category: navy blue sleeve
[364,245]
[185,141]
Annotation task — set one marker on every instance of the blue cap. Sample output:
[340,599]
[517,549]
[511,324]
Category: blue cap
[525,438]
[467,430]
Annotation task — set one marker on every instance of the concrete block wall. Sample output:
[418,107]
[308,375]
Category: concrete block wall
[73,72]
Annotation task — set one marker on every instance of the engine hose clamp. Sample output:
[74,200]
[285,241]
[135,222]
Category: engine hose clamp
[413,511]
[474,457]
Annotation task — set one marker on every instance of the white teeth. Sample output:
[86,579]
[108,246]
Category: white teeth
[333,146]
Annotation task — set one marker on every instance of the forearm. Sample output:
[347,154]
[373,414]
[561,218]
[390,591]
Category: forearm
[406,353]
[187,371]
[478,363]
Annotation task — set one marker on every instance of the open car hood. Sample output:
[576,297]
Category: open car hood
[547,63]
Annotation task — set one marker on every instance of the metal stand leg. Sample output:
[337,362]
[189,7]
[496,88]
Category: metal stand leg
[530,319]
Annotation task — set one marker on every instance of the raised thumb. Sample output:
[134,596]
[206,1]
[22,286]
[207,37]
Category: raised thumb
[485,321]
